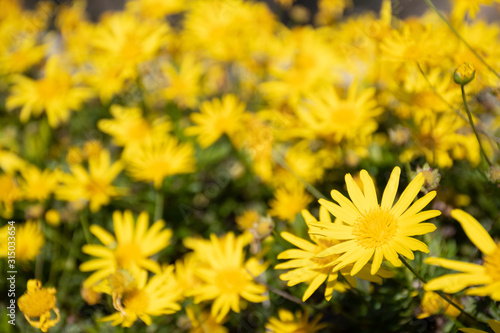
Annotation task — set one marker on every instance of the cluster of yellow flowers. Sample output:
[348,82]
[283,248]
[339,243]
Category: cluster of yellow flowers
[128,115]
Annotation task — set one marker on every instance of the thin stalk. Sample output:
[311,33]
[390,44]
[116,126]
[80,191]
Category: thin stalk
[39,259]
[158,205]
[85,227]
[440,293]
[313,190]
[481,130]
[431,5]
[472,125]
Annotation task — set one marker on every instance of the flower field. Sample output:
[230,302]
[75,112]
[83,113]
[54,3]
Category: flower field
[247,166]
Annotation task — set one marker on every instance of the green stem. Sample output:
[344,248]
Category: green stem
[39,259]
[472,125]
[431,5]
[158,205]
[313,190]
[85,227]
[440,293]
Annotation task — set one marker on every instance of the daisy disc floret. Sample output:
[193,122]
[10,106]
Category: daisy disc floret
[372,230]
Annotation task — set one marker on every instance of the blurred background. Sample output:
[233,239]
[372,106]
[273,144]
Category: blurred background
[402,8]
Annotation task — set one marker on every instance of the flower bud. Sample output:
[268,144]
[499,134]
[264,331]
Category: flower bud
[464,74]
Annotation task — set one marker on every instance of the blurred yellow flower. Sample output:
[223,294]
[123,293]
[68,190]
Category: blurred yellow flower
[485,276]
[288,323]
[129,127]
[29,240]
[226,275]
[53,217]
[38,302]
[145,298]
[289,200]
[155,9]
[133,245]
[94,186]
[56,93]
[217,117]
[9,194]
[38,185]
[159,158]
[204,322]
[376,230]
[433,304]
[183,84]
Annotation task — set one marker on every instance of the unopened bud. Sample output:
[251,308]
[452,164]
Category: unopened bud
[464,74]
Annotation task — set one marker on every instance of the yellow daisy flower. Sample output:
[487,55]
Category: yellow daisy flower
[129,126]
[204,322]
[56,94]
[226,277]
[133,245]
[326,115]
[159,158]
[217,117]
[306,267]
[487,275]
[183,85]
[433,304]
[9,194]
[29,240]
[38,185]
[288,201]
[370,229]
[38,302]
[143,299]
[288,323]
[93,186]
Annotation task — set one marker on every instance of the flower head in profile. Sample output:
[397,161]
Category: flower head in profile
[134,244]
[56,94]
[306,267]
[486,277]
[159,158]
[226,276]
[39,302]
[29,240]
[376,231]
[288,323]
[140,298]
[95,185]
[217,117]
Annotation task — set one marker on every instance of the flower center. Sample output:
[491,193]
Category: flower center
[323,244]
[231,280]
[128,253]
[37,301]
[375,228]
[492,264]
[136,301]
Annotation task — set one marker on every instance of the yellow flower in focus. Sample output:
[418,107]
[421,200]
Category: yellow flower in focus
[38,302]
[183,84]
[373,230]
[217,117]
[485,276]
[325,115]
[129,127]
[38,185]
[159,158]
[29,240]
[433,304]
[145,298]
[288,201]
[94,186]
[288,323]
[56,94]
[314,271]
[9,194]
[226,276]
[133,245]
